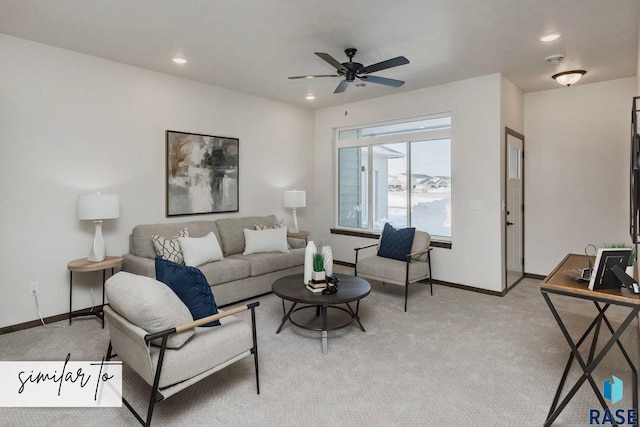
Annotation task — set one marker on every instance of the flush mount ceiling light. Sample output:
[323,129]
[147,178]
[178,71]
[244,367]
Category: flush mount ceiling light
[179,60]
[310,97]
[568,78]
[550,37]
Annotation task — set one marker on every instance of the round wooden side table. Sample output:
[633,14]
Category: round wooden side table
[82,265]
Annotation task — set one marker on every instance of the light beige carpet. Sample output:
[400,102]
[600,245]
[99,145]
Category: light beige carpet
[455,358]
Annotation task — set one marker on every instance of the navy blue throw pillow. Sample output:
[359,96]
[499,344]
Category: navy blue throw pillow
[191,287]
[396,244]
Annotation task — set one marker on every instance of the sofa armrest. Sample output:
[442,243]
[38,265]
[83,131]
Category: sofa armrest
[138,265]
[296,243]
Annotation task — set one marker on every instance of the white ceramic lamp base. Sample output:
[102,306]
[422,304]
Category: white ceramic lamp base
[99,249]
[293,227]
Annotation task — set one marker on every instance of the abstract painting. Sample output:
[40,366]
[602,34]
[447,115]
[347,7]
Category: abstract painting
[202,174]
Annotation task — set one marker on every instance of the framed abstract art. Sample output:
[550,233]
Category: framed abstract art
[202,174]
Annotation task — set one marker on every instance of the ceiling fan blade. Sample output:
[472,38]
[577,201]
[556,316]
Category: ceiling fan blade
[382,81]
[331,60]
[314,76]
[389,63]
[341,87]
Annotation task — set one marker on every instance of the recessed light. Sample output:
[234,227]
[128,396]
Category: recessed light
[310,97]
[179,60]
[550,37]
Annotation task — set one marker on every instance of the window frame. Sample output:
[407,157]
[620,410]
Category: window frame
[370,141]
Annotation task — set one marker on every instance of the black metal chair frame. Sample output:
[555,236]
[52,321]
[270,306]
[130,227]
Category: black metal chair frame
[406,279]
[156,395]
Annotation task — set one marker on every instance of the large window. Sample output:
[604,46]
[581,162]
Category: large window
[398,173]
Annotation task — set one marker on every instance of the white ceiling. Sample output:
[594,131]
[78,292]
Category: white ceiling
[254,45]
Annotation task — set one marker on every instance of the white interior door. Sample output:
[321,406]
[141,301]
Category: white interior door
[514,205]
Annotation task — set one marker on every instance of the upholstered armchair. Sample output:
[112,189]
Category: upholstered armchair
[152,331]
[415,266]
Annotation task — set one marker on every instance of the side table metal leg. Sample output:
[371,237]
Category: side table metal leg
[104,280]
[70,293]
[323,320]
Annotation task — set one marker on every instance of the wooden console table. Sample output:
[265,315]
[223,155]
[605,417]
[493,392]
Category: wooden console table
[560,284]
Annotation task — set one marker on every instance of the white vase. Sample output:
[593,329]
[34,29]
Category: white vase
[328,260]
[308,261]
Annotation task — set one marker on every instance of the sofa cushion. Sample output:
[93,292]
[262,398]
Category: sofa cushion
[269,240]
[169,248]
[200,250]
[141,235]
[231,231]
[264,263]
[226,270]
[148,304]
[191,287]
[396,244]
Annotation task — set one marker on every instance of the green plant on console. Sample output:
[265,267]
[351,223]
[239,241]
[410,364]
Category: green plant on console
[318,262]
[632,258]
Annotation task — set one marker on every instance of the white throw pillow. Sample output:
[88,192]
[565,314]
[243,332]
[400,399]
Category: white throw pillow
[200,250]
[272,240]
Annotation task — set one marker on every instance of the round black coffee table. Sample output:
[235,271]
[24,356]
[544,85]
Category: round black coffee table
[350,289]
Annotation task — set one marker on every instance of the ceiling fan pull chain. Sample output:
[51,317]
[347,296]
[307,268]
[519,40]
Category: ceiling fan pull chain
[346,103]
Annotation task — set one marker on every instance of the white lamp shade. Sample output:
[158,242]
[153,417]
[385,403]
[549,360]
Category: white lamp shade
[295,199]
[98,206]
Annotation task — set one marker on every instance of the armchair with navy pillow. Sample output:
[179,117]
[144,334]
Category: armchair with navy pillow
[403,257]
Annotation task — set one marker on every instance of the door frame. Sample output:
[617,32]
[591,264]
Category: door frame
[518,135]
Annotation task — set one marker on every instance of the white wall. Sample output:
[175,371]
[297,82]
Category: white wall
[71,123]
[476,135]
[576,170]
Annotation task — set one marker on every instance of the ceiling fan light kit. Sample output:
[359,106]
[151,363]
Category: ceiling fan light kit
[354,70]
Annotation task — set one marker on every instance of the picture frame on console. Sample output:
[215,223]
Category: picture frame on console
[201,174]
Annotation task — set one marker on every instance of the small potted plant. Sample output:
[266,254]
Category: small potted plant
[318,274]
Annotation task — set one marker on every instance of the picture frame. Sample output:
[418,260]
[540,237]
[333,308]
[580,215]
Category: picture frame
[602,277]
[201,174]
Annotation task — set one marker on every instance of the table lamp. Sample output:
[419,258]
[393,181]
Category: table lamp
[294,199]
[98,207]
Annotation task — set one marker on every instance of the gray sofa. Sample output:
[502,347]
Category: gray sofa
[234,278]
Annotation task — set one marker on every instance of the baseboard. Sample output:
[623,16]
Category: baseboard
[64,316]
[443,283]
[469,288]
[47,320]
[534,276]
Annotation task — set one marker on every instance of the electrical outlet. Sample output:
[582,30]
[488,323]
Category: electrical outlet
[467,261]
[34,288]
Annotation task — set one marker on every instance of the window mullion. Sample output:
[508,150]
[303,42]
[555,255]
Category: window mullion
[409,181]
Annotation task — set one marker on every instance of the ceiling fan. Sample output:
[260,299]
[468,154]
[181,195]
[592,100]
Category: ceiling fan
[352,70]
